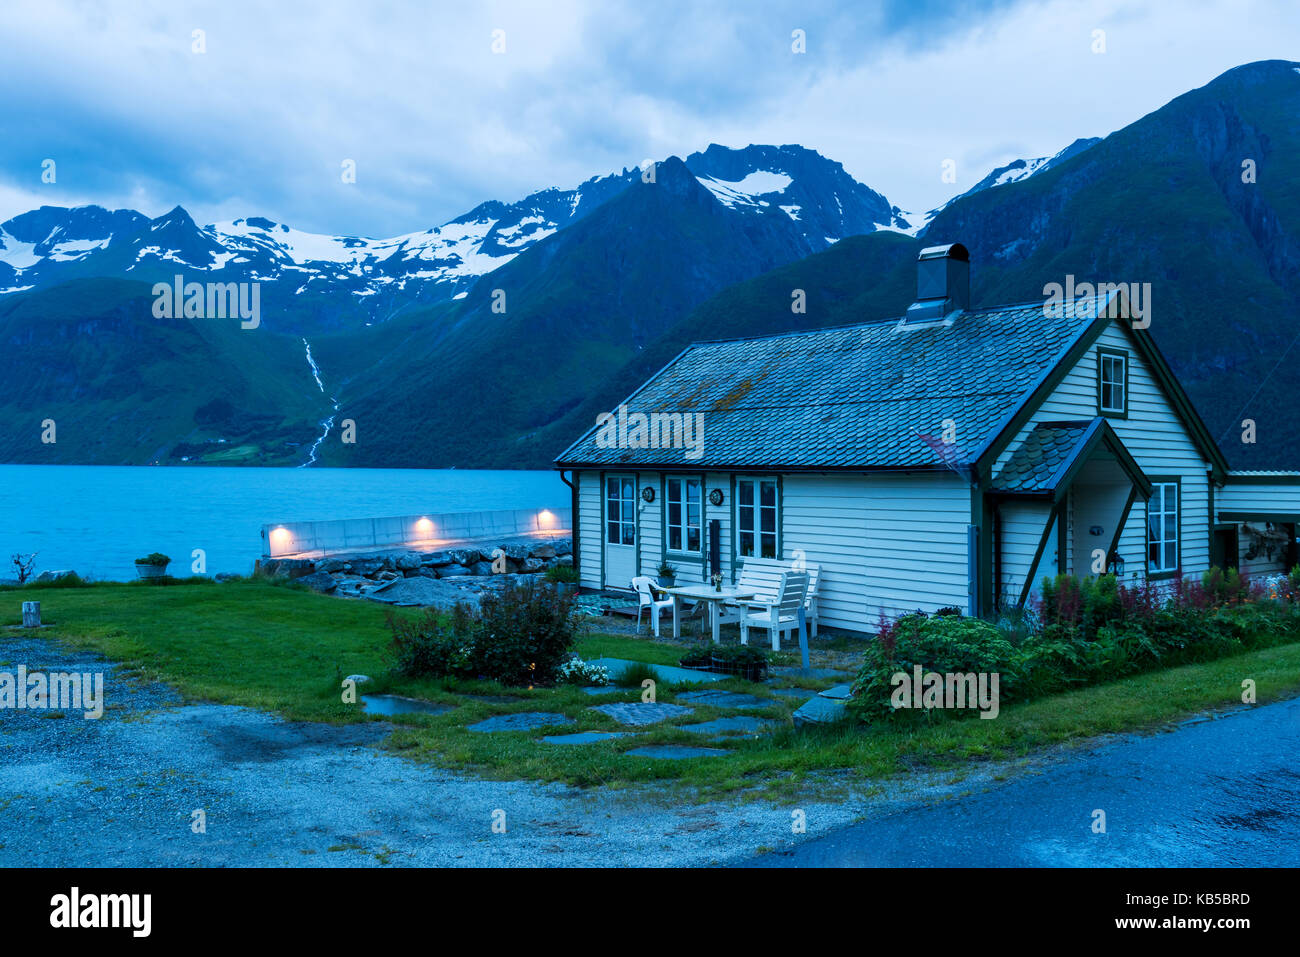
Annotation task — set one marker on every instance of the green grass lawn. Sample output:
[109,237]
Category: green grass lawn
[286,650]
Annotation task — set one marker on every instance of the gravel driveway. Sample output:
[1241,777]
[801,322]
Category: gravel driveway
[122,791]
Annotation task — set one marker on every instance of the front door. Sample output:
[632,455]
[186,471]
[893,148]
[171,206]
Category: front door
[620,530]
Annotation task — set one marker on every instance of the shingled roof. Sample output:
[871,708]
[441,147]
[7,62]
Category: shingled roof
[1041,457]
[867,396]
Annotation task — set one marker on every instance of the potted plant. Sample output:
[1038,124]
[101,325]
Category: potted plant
[667,574]
[153,565]
[564,578]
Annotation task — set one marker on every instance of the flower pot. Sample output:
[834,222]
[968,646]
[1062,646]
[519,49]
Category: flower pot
[666,581]
[150,571]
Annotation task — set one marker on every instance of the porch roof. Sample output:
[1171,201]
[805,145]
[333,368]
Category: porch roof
[1045,461]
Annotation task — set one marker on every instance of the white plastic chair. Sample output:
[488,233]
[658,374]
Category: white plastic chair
[645,594]
[782,614]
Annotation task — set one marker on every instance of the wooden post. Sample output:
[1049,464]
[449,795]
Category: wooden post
[31,614]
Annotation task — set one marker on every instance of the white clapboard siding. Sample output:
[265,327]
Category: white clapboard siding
[1261,498]
[1023,524]
[649,523]
[723,513]
[824,521]
[591,536]
[1153,435]
[916,555]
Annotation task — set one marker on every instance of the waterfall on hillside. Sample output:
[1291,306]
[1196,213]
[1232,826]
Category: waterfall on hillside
[327,423]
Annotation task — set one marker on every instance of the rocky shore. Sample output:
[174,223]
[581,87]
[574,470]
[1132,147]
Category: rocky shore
[439,578]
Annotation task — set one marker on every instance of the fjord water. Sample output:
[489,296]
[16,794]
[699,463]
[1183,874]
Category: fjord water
[97,520]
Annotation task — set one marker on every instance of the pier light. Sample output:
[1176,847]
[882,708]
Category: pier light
[424,528]
[281,537]
[545,518]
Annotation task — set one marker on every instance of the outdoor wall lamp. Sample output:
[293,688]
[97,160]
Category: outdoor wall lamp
[648,493]
[1095,530]
[715,496]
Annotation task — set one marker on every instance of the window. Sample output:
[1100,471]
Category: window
[1112,382]
[684,501]
[1162,528]
[620,510]
[756,518]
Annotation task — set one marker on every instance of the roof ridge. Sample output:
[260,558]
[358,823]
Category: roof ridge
[864,323]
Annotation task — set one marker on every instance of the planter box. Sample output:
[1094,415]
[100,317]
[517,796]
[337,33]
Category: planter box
[150,571]
[665,581]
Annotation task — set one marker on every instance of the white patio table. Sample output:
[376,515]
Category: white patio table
[706,593]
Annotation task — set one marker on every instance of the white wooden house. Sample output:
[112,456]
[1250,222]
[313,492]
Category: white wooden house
[952,457]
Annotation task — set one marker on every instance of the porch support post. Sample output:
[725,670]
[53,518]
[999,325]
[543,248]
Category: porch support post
[1052,517]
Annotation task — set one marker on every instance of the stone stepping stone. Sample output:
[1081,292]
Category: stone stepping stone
[801,693]
[616,666]
[608,689]
[674,752]
[639,713]
[583,737]
[521,721]
[389,704]
[745,724]
[838,692]
[724,699]
[820,710]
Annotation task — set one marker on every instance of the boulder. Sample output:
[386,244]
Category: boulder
[319,581]
[481,568]
[387,575]
[452,571]
[289,567]
[465,556]
[564,546]
[367,567]
[542,551]
[331,565]
[436,559]
[564,560]
[530,566]
[515,551]
[54,576]
[407,562]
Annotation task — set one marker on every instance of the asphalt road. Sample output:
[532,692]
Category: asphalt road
[1217,792]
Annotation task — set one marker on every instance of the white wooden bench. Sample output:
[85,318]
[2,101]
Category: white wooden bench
[763,576]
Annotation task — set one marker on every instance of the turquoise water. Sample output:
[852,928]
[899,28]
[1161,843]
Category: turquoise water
[98,519]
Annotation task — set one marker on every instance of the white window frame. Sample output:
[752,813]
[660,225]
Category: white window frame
[757,509]
[1164,526]
[683,503]
[1117,385]
[626,519]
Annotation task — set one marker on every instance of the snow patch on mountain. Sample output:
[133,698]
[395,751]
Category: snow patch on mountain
[746,192]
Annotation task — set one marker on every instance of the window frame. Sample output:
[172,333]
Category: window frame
[757,481]
[622,521]
[1175,481]
[1104,353]
[684,526]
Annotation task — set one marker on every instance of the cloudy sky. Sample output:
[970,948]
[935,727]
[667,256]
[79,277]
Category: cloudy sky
[436,120]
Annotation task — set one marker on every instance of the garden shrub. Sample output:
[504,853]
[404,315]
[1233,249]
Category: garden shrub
[525,632]
[521,635]
[943,644]
[435,645]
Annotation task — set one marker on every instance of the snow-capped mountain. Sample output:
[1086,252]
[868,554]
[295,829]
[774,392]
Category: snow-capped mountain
[808,201]
[1013,172]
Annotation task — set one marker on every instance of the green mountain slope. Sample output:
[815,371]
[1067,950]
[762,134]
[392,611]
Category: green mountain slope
[123,387]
